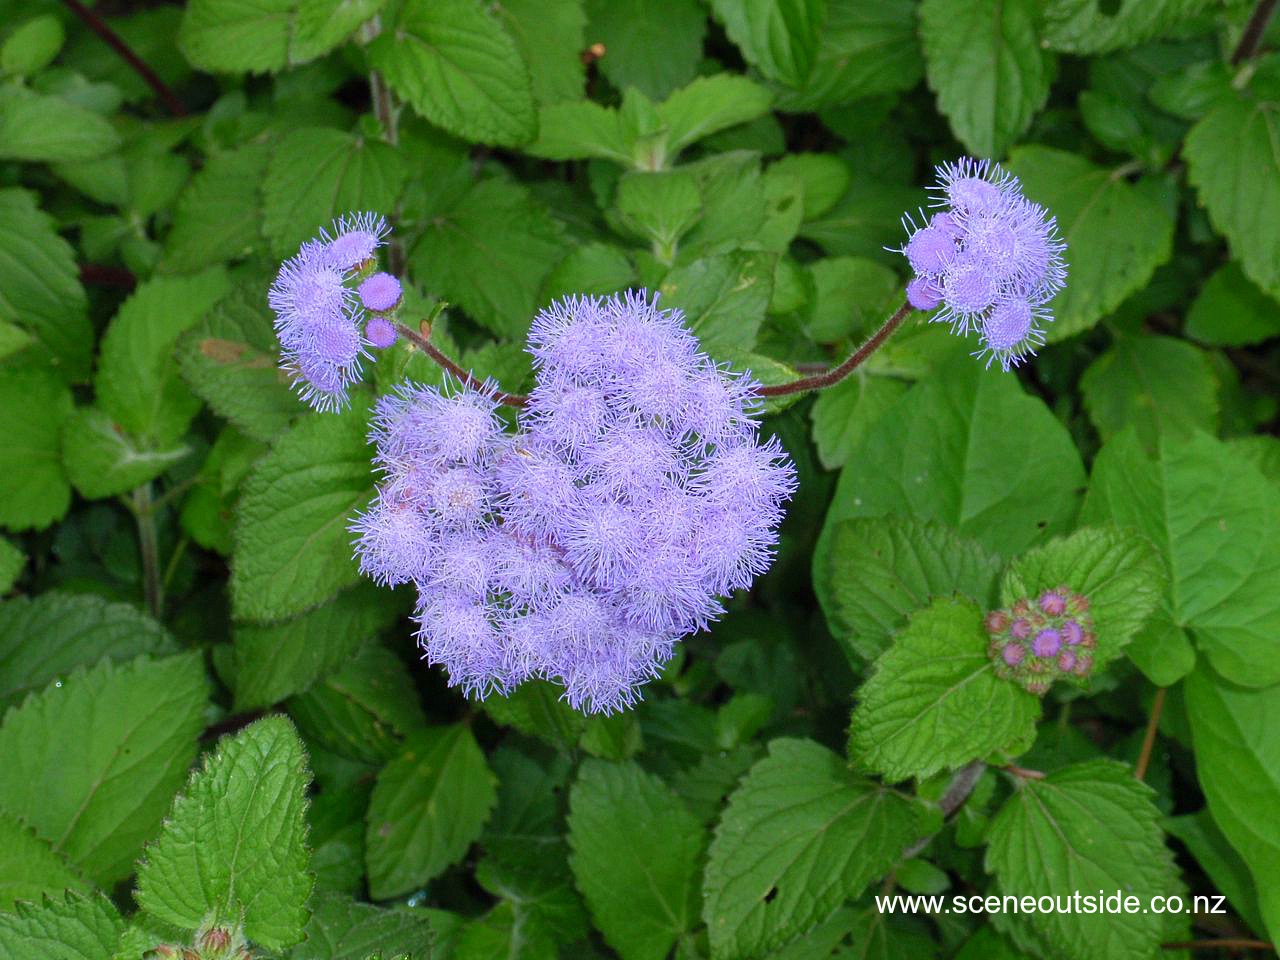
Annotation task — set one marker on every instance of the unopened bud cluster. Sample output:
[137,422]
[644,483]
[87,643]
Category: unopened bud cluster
[1035,642]
[213,943]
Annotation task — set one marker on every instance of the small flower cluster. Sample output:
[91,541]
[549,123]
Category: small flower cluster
[990,259]
[1034,644]
[634,495]
[319,318]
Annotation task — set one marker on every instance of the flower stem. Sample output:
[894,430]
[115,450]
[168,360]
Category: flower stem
[833,376]
[1225,944]
[1253,31]
[384,108]
[1149,739]
[99,26]
[422,342]
[149,548]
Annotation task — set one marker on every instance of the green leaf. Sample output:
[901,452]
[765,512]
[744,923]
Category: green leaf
[231,360]
[1118,571]
[636,856]
[1117,233]
[361,710]
[581,129]
[235,36]
[1099,26]
[934,702]
[777,37]
[724,297]
[234,846]
[800,836]
[824,175]
[292,548]
[276,661]
[490,254]
[842,415]
[318,174]
[1157,384]
[137,382]
[102,460]
[535,708]
[1216,520]
[879,571]
[1087,827]
[459,68]
[126,735]
[985,64]
[40,288]
[48,636]
[429,805]
[591,268]
[1225,868]
[851,297]
[652,45]
[709,105]
[550,35]
[1239,770]
[48,129]
[70,928]
[29,866]
[659,207]
[218,215]
[32,46]
[12,561]
[864,222]
[342,929]
[1231,311]
[33,487]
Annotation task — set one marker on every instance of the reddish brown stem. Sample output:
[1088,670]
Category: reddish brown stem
[1022,773]
[833,376]
[1224,944]
[1253,31]
[423,343]
[1149,739]
[99,276]
[99,26]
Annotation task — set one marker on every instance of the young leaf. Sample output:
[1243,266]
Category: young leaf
[652,45]
[459,68]
[125,736]
[1231,311]
[1085,828]
[934,702]
[659,207]
[636,854]
[581,129]
[33,487]
[70,928]
[342,929]
[879,571]
[429,805]
[709,105]
[234,846]
[801,835]
[267,35]
[1117,233]
[29,866]
[102,461]
[293,550]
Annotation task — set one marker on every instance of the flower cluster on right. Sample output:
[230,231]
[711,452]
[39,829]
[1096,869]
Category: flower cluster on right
[989,262]
[1035,642]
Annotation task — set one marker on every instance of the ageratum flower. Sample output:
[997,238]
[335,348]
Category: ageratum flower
[1035,642]
[635,494]
[318,316]
[989,262]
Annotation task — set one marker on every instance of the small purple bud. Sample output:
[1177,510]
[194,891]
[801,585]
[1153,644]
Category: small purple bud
[380,292]
[1047,643]
[923,293]
[1090,640]
[1053,603]
[1037,687]
[380,332]
[1013,653]
[1072,633]
[996,621]
[1083,665]
[1021,608]
[1020,629]
[1066,661]
[930,250]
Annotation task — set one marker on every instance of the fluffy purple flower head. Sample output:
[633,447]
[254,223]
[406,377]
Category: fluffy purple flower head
[380,332]
[380,292]
[355,241]
[989,261]
[634,494]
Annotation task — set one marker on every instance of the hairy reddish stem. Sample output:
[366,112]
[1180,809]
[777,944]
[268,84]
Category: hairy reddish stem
[423,343]
[1224,944]
[1253,31]
[1149,739]
[99,26]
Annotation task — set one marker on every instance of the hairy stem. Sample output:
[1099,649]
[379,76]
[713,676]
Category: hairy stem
[1253,31]
[422,342]
[149,548]
[1149,739]
[384,108]
[99,26]
[833,376]
[957,792]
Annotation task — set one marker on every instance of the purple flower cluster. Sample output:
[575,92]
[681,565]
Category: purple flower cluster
[319,318]
[1035,643]
[635,493]
[991,260]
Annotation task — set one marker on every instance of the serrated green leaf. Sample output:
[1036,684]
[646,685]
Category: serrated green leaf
[801,835]
[1231,311]
[1216,521]
[709,105]
[102,460]
[40,289]
[50,129]
[318,174]
[490,254]
[234,846]
[342,929]
[292,547]
[724,297]
[652,45]
[536,708]
[235,36]
[985,63]
[1098,26]
[70,928]
[636,854]
[777,37]
[218,215]
[1117,233]
[429,805]
[934,702]
[126,735]
[549,34]
[33,486]
[459,68]
[1087,827]
[29,866]
[1239,771]
[231,359]
[1157,384]
[879,571]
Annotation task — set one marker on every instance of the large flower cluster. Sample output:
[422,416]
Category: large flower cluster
[319,316]
[1035,642]
[635,493]
[990,259]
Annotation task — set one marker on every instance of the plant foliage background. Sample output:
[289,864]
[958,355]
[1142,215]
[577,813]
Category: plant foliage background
[210,723]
